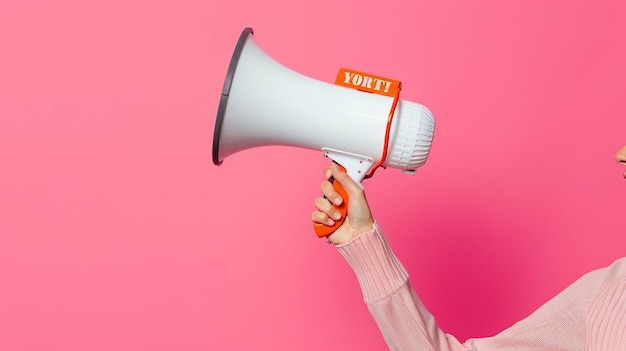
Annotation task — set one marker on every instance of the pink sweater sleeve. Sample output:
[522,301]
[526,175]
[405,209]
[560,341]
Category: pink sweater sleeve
[588,315]
[400,315]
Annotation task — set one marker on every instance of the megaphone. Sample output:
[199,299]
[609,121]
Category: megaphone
[359,122]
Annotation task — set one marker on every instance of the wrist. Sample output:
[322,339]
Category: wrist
[350,232]
[361,228]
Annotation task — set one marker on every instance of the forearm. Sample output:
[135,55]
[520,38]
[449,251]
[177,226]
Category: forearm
[377,269]
[400,315]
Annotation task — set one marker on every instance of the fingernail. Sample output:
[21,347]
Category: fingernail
[337,215]
[337,201]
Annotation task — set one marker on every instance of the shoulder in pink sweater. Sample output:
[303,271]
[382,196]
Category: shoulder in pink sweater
[588,315]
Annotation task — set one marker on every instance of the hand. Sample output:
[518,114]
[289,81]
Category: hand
[359,219]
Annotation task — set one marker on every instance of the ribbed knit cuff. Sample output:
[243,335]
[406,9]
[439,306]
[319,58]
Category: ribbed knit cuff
[377,269]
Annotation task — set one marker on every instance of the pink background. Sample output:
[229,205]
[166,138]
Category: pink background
[117,232]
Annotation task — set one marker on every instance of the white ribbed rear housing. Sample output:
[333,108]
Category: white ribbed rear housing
[413,133]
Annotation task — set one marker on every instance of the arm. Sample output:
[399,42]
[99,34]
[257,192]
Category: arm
[589,314]
[401,317]
[403,320]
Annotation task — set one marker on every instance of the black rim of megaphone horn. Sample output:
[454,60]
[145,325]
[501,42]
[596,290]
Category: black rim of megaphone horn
[221,110]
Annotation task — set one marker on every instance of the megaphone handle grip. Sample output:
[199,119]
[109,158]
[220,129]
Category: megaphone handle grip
[323,230]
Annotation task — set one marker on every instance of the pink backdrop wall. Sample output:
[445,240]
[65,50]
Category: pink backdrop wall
[118,233]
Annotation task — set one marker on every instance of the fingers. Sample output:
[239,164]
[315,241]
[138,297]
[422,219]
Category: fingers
[328,189]
[344,179]
[326,213]
[328,173]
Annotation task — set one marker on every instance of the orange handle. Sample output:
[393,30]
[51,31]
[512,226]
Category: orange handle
[323,230]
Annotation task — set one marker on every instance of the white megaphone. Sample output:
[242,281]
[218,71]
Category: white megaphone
[359,122]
